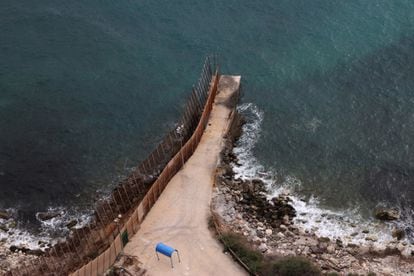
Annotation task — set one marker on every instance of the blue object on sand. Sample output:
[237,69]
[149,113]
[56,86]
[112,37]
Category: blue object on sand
[167,251]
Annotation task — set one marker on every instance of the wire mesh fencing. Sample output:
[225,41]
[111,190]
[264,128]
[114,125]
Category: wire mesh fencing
[94,247]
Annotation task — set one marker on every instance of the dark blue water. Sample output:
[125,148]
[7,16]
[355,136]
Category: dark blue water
[88,88]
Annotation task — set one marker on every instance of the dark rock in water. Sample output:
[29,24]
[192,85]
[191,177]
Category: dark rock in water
[248,187]
[386,214]
[12,224]
[339,243]
[4,228]
[253,186]
[4,215]
[316,249]
[371,238]
[398,233]
[352,245]
[25,250]
[324,239]
[149,179]
[71,223]
[47,215]
[235,130]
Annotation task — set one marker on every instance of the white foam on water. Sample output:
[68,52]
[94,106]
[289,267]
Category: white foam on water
[347,225]
[249,167]
[58,223]
[343,224]
[180,128]
[51,231]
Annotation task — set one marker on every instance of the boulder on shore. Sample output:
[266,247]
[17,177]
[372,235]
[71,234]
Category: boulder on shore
[43,216]
[4,215]
[4,228]
[386,214]
[25,250]
[71,223]
[398,233]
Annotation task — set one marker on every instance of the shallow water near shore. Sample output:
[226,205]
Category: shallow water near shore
[87,89]
[351,225]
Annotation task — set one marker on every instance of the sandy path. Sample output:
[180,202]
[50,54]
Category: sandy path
[179,217]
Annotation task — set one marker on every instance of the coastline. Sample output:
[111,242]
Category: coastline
[134,194]
[271,226]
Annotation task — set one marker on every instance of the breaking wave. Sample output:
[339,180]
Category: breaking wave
[348,225]
[50,232]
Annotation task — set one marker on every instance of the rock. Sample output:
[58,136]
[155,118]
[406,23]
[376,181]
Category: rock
[400,247]
[363,250]
[354,234]
[387,271]
[4,228]
[339,243]
[283,228]
[398,233]
[323,245]
[379,248]
[256,240]
[386,214]
[294,230]
[407,253]
[4,215]
[260,224]
[268,232]
[330,249]
[371,238]
[21,249]
[280,235]
[12,224]
[228,197]
[260,234]
[316,250]
[262,247]
[365,231]
[289,234]
[43,216]
[392,249]
[352,245]
[324,239]
[306,250]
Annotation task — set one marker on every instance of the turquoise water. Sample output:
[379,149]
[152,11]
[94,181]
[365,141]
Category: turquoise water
[88,88]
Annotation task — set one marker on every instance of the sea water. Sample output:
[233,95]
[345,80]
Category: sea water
[88,88]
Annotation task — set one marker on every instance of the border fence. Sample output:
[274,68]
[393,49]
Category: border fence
[93,248]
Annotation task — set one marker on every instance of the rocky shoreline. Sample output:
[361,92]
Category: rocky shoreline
[243,207]
[13,256]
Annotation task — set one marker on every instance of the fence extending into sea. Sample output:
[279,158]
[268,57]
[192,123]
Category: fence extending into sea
[92,249]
